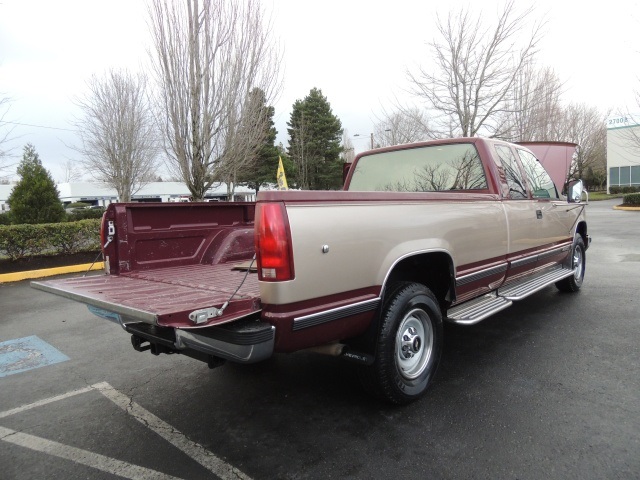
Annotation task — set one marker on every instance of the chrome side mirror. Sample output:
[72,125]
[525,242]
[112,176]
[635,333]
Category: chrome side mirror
[574,191]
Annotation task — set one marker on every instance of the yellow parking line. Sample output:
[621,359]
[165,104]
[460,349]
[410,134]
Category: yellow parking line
[47,272]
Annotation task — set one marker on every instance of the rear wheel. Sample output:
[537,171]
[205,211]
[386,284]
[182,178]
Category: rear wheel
[409,345]
[578,264]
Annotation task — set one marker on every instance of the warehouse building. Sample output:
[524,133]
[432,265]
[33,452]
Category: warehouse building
[623,151]
[99,194]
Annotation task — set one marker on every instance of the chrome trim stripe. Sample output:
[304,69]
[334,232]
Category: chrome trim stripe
[539,256]
[524,261]
[473,277]
[314,319]
[555,251]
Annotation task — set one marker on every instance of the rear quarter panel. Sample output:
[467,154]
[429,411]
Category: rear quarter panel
[366,238]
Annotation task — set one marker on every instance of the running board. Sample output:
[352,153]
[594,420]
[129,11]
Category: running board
[478,309]
[522,290]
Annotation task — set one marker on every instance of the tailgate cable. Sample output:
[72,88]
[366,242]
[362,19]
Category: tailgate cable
[109,240]
[201,316]
[246,274]
[93,263]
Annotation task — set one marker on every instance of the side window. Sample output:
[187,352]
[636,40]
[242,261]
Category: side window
[539,180]
[517,189]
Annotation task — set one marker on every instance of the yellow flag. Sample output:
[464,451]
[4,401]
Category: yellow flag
[282,180]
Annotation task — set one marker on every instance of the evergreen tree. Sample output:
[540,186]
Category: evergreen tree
[35,198]
[261,169]
[315,134]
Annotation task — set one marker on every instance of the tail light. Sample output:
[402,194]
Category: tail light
[273,243]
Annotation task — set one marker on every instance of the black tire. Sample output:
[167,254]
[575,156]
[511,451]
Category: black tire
[578,263]
[409,345]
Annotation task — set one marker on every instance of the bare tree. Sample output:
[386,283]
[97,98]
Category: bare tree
[536,111]
[405,125]
[348,150]
[117,132]
[470,85]
[5,134]
[71,172]
[585,126]
[208,56]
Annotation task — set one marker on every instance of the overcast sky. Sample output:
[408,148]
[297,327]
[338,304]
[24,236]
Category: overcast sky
[356,51]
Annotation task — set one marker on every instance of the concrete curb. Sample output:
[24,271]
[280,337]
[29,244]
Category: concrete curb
[48,272]
[626,209]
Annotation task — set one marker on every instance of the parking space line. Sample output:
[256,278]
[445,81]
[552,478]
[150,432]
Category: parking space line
[83,457]
[194,450]
[40,403]
[197,452]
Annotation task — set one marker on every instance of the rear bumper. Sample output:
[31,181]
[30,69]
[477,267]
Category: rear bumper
[247,341]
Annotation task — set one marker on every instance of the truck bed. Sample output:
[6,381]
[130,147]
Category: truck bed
[166,296]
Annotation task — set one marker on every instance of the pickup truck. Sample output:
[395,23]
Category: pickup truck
[450,230]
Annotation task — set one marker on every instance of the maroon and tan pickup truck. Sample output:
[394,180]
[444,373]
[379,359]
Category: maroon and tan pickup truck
[452,230]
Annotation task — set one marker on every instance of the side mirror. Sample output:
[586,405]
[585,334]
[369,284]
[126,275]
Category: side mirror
[574,191]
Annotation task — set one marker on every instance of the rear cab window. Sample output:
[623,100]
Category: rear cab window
[434,168]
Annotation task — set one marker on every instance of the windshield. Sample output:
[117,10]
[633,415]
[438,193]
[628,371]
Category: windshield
[431,168]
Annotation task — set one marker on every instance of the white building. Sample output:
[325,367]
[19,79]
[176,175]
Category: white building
[99,194]
[623,151]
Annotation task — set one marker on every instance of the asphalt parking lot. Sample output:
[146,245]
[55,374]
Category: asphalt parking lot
[549,388]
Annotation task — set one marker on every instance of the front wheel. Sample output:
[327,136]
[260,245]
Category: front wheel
[409,345]
[578,264]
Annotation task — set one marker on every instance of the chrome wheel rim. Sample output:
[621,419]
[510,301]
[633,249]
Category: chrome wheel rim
[414,344]
[578,264]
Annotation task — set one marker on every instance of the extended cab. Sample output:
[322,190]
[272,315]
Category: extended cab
[451,230]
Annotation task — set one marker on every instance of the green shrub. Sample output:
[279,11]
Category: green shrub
[5,218]
[77,205]
[631,199]
[615,189]
[72,237]
[19,241]
[84,213]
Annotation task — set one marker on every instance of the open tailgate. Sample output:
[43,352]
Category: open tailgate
[166,296]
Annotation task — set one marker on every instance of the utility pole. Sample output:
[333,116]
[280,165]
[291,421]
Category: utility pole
[371,136]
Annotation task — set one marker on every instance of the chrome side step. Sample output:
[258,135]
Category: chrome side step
[478,309]
[522,290]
